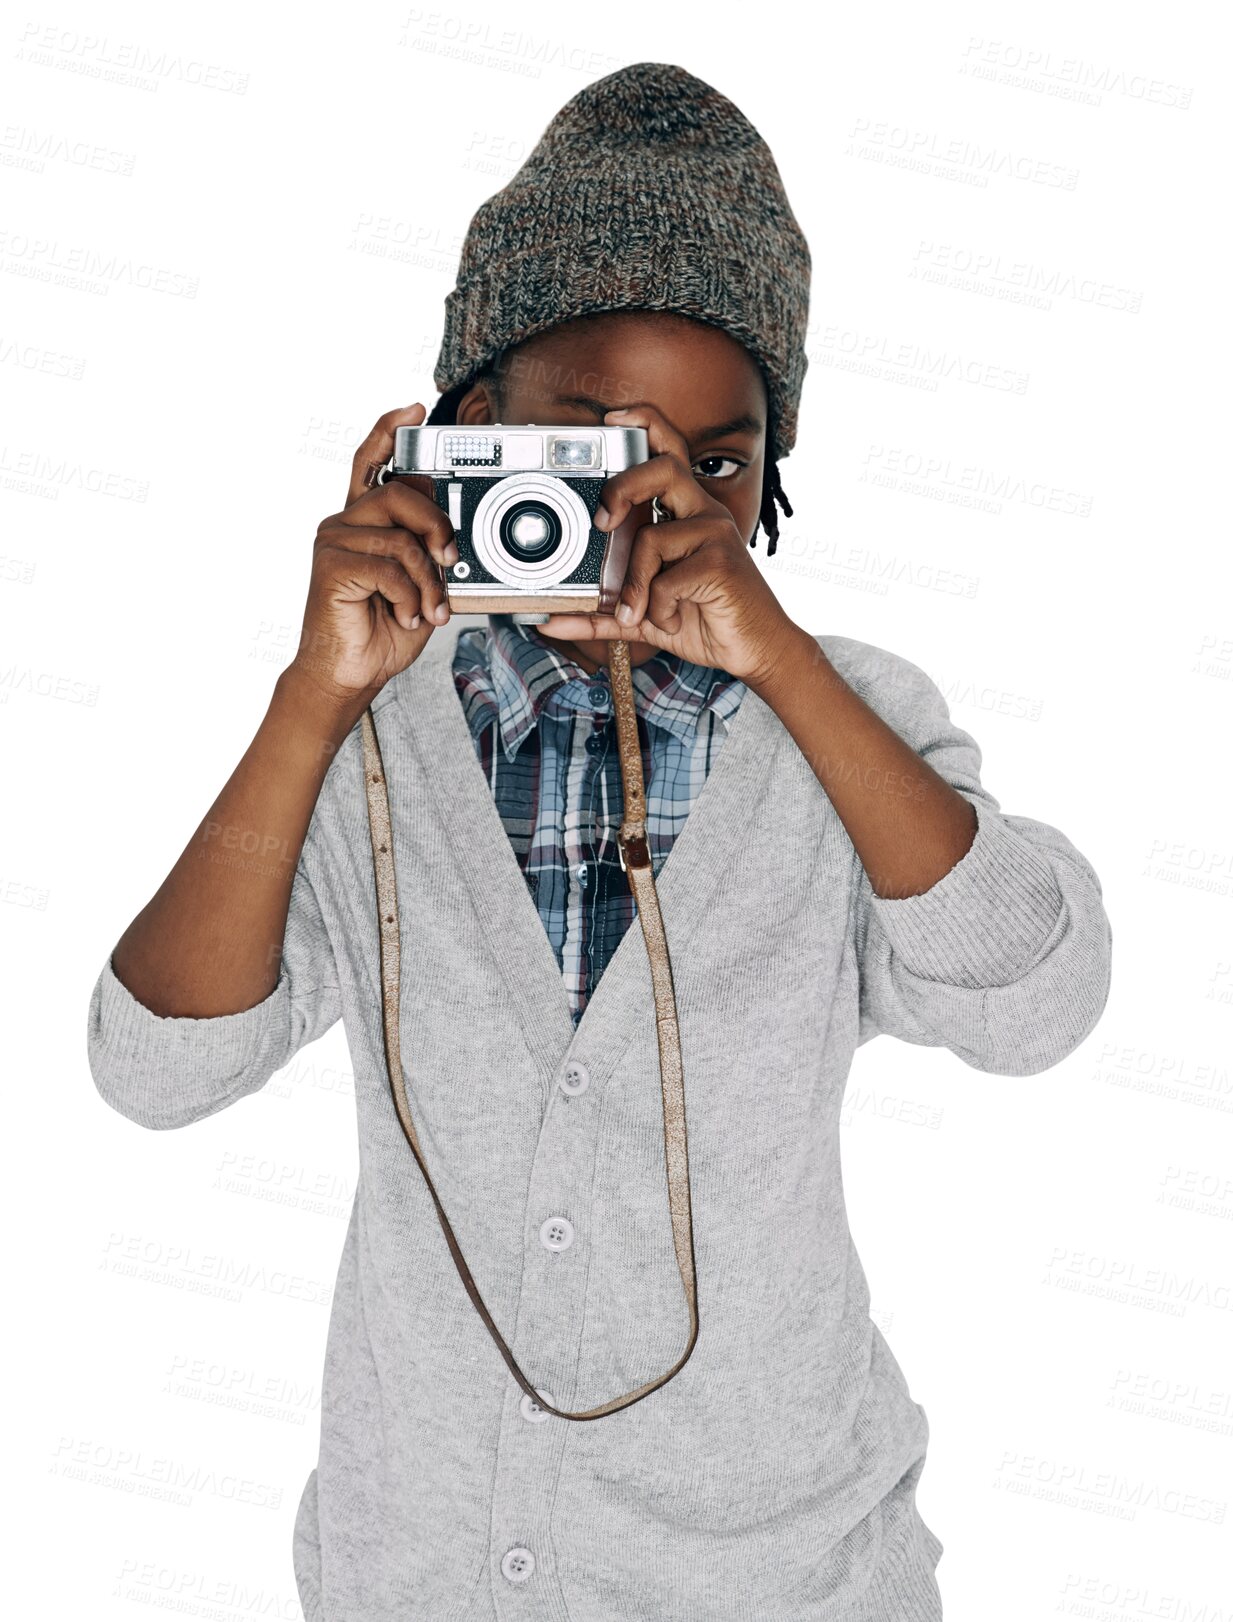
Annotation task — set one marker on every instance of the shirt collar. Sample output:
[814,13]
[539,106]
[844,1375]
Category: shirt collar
[525,672]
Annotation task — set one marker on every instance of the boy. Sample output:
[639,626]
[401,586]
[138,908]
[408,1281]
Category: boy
[829,867]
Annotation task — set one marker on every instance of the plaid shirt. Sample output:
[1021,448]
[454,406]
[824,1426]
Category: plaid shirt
[545,734]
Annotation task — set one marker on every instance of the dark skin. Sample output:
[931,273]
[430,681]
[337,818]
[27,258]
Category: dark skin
[699,376]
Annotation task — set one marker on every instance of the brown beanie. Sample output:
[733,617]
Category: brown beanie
[649,190]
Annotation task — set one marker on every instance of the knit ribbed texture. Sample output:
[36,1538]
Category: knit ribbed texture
[648,190]
[999,931]
[206,1063]
[774,1477]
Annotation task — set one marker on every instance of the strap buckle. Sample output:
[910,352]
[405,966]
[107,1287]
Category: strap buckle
[638,848]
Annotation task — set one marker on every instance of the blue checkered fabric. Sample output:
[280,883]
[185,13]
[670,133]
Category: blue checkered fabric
[545,735]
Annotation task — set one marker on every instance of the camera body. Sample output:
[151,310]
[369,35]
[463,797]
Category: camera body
[522,501]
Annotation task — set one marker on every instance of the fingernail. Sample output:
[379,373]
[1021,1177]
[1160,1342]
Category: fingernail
[441,613]
[451,554]
[602,518]
[625,613]
[617,411]
[415,620]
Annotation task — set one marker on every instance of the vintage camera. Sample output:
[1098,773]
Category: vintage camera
[521,500]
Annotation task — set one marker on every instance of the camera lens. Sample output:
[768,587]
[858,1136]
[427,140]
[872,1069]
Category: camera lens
[530,531]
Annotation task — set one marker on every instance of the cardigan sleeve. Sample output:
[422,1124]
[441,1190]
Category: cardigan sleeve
[170,1071]
[1007,959]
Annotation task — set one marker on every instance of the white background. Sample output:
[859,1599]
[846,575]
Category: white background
[227,236]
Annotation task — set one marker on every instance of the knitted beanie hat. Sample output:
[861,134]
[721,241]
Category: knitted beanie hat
[648,190]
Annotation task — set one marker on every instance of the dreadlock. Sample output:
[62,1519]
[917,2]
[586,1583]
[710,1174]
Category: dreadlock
[772,492]
[446,408]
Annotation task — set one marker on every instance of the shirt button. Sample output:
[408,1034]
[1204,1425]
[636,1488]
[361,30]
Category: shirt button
[557,1233]
[598,695]
[517,1565]
[531,1410]
[596,743]
[576,1078]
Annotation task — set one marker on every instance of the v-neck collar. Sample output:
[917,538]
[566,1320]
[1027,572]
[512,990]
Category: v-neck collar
[484,861]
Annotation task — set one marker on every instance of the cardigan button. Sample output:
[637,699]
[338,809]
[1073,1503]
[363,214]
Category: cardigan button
[531,1410]
[517,1565]
[557,1233]
[576,1079]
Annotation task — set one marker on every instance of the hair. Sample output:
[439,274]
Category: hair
[492,375]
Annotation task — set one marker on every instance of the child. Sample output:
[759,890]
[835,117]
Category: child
[830,867]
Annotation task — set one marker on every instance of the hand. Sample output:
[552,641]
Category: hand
[377,586]
[692,585]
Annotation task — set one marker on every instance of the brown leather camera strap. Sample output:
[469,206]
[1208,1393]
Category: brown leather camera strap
[636,860]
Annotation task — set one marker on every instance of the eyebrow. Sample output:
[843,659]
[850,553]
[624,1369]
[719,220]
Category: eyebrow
[744,424]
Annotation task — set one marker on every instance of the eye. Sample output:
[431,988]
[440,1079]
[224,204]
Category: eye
[699,466]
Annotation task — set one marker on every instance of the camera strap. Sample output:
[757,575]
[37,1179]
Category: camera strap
[635,856]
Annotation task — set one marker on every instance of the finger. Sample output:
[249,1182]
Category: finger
[354,575]
[665,476]
[597,628]
[405,503]
[694,577]
[662,434]
[394,546]
[378,447]
[655,546]
[697,578]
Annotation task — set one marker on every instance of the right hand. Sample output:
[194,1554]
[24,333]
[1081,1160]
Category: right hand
[377,589]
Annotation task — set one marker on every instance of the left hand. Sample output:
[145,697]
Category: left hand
[692,585]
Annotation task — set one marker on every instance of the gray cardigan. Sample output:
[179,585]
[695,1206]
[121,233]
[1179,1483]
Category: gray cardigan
[775,1475]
